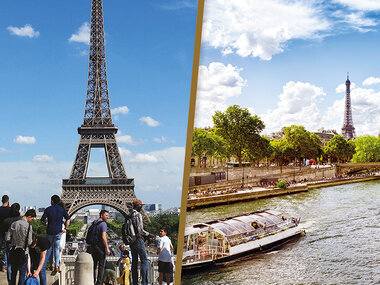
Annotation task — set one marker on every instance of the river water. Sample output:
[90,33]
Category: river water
[341,245]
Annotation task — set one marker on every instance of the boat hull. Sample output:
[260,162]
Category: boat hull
[263,244]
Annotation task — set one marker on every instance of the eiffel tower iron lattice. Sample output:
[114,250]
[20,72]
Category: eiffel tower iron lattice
[97,131]
[348,130]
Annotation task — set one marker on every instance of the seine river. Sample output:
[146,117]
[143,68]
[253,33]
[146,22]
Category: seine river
[341,245]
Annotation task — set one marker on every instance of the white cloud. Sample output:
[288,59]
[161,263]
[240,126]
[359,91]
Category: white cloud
[149,121]
[217,83]
[341,88]
[24,140]
[177,5]
[297,105]
[120,110]
[127,139]
[365,104]
[145,158]
[249,27]
[82,35]
[371,80]
[163,139]
[363,5]
[3,150]
[26,31]
[43,158]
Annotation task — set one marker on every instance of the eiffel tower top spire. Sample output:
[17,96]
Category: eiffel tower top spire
[97,110]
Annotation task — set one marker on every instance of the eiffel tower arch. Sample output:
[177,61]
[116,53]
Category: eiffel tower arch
[97,131]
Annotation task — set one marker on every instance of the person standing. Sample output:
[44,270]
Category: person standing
[99,249]
[164,249]
[4,213]
[138,246]
[14,215]
[55,215]
[21,238]
[38,250]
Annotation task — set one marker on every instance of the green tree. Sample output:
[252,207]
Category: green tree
[282,151]
[238,128]
[339,149]
[367,149]
[304,143]
[259,149]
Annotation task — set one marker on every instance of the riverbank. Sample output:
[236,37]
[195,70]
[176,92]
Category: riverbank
[254,193]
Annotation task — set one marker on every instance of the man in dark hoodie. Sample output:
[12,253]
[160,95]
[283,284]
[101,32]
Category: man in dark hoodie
[14,215]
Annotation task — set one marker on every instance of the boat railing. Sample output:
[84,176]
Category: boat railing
[209,252]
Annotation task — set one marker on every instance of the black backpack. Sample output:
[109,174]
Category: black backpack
[128,232]
[93,236]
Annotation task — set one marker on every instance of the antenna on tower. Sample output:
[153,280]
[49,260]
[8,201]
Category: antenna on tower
[348,75]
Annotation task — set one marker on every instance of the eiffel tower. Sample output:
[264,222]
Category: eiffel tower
[348,130]
[97,131]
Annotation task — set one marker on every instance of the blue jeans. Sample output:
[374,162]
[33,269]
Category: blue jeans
[4,257]
[42,274]
[138,250]
[54,248]
[22,275]
[9,267]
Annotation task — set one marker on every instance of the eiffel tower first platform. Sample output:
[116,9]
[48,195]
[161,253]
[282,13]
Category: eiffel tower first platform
[97,131]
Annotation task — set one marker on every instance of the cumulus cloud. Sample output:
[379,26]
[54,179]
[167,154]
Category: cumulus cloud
[248,27]
[82,35]
[365,104]
[43,158]
[371,81]
[24,140]
[341,88]
[26,31]
[144,157]
[217,83]
[363,5]
[120,110]
[149,121]
[297,105]
[127,139]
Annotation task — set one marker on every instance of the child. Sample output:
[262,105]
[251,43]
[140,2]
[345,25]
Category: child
[124,277]
[164,248]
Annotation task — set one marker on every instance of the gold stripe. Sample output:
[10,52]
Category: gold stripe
[190,126]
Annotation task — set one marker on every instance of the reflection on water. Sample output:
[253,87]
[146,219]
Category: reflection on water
[341,246]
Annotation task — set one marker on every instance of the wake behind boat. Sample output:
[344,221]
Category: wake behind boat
[218,241]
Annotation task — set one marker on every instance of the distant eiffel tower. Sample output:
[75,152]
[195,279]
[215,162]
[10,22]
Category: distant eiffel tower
[97,131]
[348,130]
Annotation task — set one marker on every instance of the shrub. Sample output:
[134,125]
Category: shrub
[281,184]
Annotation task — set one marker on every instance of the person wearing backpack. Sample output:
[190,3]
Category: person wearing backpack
[138,245]
[21,238]
[98,244]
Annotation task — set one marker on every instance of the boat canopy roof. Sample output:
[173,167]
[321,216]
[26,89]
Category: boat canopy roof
[238,224]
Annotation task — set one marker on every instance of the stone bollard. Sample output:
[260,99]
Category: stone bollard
[84,269]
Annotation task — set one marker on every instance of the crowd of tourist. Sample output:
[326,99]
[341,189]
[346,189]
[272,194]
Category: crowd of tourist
[26,255]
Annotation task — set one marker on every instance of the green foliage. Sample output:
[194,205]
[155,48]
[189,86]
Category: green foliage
[171,222]
[207,143]
[238,128]
[38,228]
[367,149]
[74,228]
[281,184]
[304,143]
[339,149]
[116,225]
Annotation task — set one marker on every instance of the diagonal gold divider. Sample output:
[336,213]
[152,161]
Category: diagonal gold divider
[189,138]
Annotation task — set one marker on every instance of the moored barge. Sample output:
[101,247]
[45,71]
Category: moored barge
[218,241]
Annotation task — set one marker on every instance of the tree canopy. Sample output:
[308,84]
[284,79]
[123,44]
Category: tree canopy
[238,128]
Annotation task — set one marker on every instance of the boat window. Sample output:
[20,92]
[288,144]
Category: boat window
[225,228]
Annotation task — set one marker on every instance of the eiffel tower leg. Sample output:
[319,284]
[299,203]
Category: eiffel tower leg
[114,160]
[80,164]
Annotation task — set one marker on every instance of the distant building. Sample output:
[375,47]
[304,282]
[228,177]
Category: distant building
[325,135]
[152,207]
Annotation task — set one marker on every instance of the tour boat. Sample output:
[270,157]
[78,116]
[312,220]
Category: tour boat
[218,241]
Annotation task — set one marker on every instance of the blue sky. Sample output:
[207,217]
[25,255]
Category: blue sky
[44,55]
[287,60]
